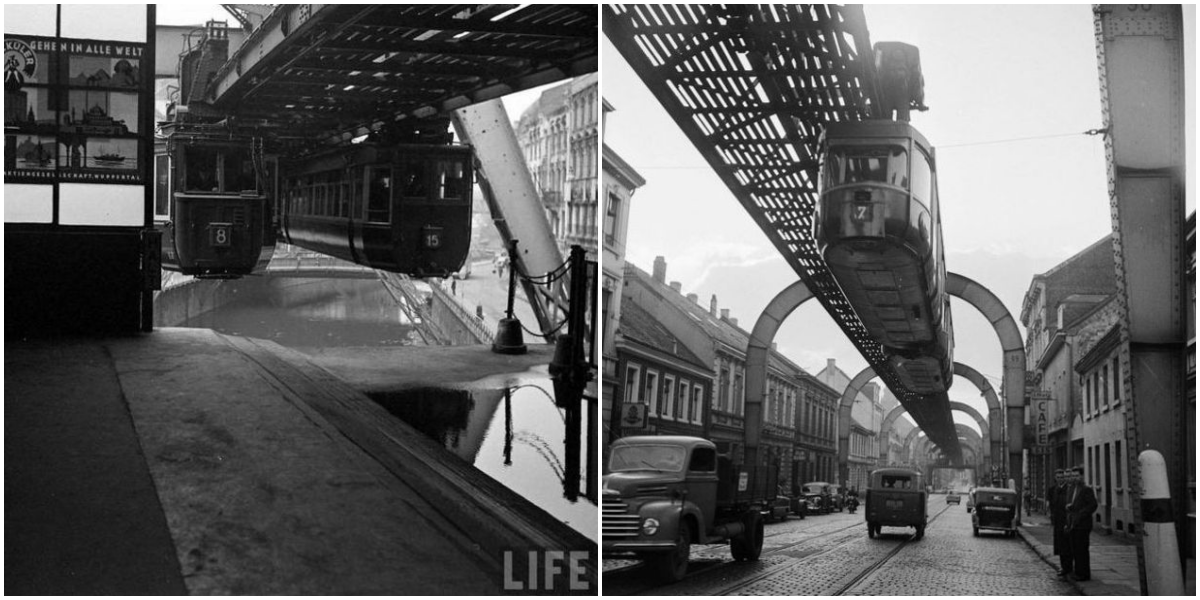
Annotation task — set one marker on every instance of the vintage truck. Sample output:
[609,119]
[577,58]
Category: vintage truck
[665,493]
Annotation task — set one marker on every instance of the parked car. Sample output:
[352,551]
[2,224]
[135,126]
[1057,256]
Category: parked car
[996,510]
[777,509]
[952,497]
[816,504]
[799,505]
[830,499]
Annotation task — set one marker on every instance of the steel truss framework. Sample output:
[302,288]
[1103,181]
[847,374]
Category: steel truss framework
[752,87]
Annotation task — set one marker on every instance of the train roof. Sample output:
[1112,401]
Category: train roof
[874,128]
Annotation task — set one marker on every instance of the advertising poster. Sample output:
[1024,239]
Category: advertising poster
[71,110]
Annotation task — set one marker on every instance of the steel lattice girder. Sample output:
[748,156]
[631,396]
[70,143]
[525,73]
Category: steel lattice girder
[752,87]
[341,70]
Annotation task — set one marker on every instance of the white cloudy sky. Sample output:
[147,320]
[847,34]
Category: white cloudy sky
[1010,209]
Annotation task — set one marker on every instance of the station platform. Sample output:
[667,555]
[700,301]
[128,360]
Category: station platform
[184,461]
[1114,560]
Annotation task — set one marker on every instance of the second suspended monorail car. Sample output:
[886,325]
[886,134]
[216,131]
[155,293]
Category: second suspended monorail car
[403,208]
[878,227]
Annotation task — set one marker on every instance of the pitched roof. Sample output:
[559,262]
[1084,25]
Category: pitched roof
[639,325]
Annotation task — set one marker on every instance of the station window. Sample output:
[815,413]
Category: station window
[162,187]
[697,403]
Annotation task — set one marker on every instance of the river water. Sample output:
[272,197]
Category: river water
[514,435]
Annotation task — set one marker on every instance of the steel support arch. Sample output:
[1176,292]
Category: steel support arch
[758,351]
[889,422]
[1013,347]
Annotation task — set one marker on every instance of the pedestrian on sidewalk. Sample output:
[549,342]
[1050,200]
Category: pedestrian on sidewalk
[1056,499]
[1080,509]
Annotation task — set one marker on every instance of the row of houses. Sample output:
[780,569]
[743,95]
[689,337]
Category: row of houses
[681,370]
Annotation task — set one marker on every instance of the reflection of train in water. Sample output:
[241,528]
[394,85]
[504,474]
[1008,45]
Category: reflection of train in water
[404,208]
[211,201]
[879,228]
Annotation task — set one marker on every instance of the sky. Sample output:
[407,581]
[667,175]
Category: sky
[1011,89]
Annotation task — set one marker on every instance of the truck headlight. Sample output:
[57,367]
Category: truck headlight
[650,526]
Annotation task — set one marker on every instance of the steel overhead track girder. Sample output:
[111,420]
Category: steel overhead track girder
[793,68]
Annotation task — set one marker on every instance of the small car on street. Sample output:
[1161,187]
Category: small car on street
[952,497]
[896,498]
[995,509]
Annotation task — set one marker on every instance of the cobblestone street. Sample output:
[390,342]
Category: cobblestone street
[832,555]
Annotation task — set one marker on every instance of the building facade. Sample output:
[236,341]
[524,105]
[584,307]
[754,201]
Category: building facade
[815,454]
[1102,426]
[665,387]
[715,339]
[1061,305]
[866,411]
[558,135]
[620,181]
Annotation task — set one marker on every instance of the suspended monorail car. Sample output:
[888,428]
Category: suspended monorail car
[403,208]
[211,203]
[878,226]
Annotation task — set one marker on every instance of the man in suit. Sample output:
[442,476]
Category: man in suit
[1056,498]
[1080,510]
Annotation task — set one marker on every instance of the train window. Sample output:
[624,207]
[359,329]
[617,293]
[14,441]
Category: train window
[356,192]
[200,169]
[239,171]
[859,164]
[412,179]
[379,195]
[450,178]
[162,189]
[922,176]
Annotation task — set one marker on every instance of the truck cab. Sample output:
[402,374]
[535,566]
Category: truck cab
[664,493]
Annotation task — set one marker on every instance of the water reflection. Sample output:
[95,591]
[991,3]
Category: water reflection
[315,313]
[520,446]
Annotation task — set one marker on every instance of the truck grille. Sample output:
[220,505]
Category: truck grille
[617,523]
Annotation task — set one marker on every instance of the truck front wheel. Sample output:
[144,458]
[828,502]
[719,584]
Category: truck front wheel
[672,566]
[748,545]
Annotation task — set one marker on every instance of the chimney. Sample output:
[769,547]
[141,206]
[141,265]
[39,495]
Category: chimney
[774,346]
[693,298]
[831,363]
[712,306]
[733,321]
[675,285]
[724,314]
[660,269]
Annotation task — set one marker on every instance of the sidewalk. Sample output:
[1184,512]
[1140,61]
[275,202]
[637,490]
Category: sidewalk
[188,462]
[1114,560]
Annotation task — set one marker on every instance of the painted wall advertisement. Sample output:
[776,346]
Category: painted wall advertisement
[71,110]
